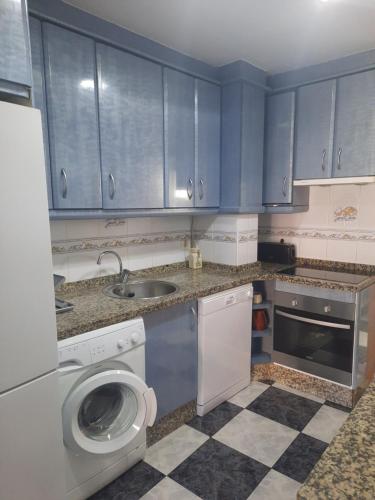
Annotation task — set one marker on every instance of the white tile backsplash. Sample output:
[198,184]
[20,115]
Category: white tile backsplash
[340,252]
[313,248]
[339,225]
[227,239]
[141,242]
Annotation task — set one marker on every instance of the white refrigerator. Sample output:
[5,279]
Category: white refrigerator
[31,449]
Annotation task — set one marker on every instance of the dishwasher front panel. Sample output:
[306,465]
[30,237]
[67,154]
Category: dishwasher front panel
[224,346]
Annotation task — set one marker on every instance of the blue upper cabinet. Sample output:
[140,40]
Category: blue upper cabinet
[15,64]
[131,130]
[279,142]
[314,130]
[179,137]
[354,144]
[242,147]
[207,178]
[72,118]
[39,92]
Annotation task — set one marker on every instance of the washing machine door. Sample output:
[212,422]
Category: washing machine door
[105,412]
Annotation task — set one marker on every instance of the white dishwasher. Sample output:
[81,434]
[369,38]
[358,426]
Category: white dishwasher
[224,346]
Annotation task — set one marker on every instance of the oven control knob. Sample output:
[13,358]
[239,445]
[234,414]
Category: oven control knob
[121,344]
[327,309]
[294,302]
[134,338]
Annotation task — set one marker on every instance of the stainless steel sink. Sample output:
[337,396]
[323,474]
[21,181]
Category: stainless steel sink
[147,289]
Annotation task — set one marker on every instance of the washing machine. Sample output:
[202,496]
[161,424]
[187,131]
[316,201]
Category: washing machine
[106,405]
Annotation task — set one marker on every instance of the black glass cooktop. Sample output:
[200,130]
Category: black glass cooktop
[323,274]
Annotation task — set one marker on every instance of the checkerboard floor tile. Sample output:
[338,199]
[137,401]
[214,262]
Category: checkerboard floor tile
[259,445]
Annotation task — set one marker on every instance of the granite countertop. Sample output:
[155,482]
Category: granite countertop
[346,469]
[93,309]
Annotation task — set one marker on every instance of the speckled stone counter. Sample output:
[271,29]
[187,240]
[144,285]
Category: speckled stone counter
[93,309]
[347,467]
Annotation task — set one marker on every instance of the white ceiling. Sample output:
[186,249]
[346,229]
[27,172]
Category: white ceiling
[275,35]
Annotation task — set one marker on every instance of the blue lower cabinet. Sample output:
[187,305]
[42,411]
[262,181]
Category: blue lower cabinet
[172,356]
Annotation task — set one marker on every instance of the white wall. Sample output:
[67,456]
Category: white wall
[227,239]
[141,242]
[340,225]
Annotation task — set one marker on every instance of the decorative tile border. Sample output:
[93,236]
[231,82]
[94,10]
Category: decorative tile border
[315,233]
[103,243]
[227,236]
[246,236]
[107,243]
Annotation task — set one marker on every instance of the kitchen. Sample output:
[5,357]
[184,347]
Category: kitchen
[197,183]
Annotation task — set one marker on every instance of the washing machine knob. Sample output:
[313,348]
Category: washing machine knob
[121,344]
[134,338]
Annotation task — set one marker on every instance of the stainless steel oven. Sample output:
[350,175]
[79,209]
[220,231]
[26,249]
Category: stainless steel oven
[314,335]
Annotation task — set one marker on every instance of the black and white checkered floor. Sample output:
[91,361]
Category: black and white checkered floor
[261,445]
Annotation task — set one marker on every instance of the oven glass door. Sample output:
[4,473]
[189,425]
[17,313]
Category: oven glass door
[321,339]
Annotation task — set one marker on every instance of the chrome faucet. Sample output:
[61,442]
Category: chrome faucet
[124,273]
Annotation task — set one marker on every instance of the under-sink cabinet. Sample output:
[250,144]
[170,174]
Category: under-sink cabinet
[172,355]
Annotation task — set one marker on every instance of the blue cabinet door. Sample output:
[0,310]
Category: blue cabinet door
[172,356]
[39,92]
[314,130]
[72,118]
[179,137]
[131,130]
[242,148]
[278,165]
[354,144]
[207,178]
[252,141]
[15,64]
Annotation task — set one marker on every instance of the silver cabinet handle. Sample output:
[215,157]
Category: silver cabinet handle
[201,189]
[64,191]
[284,185]
[324,159]
[312,321]
[194,312]
[112,186]
[189,188]
[339,158]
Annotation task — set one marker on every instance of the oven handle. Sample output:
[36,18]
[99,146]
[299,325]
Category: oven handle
[313,321]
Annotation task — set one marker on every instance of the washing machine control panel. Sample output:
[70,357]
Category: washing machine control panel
[102,344]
